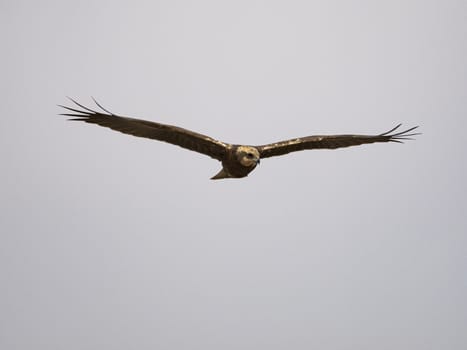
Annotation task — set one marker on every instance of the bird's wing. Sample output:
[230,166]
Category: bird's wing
[152,130]
[332,142]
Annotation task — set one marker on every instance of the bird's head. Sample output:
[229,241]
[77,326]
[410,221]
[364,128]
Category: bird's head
[247,156]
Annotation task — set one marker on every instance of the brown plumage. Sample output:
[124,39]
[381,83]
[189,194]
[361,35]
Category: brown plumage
[237,160]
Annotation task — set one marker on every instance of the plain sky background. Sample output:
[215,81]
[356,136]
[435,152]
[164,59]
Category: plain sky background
[114,242]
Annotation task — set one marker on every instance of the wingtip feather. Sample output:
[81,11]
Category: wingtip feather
[100,106]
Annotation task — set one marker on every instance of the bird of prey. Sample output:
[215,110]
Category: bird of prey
[237,160]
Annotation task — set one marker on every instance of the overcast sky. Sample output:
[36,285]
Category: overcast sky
[114,242]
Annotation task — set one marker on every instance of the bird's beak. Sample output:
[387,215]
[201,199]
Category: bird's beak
[258,161]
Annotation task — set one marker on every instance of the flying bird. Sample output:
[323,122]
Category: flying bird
[237,160]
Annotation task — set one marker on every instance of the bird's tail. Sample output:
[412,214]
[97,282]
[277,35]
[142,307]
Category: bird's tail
[221,175]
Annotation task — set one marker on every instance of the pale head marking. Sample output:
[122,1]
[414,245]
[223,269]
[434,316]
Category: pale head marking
[247,156]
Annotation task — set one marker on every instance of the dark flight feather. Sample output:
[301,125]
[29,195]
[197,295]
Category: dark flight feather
[152,130]
[331,142]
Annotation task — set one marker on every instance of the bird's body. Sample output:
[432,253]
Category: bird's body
[237,160]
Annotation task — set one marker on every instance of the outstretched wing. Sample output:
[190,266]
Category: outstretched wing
[332,142]
[151,130]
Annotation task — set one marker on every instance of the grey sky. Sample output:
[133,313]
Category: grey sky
[114,242]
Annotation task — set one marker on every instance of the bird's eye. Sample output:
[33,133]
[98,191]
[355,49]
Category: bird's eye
[249,155]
